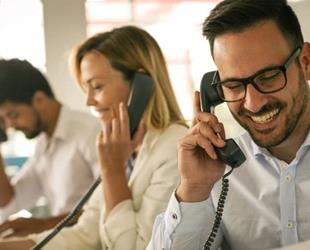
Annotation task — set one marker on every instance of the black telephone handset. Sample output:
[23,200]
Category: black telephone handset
[3,135]
[142,88]
[230,154]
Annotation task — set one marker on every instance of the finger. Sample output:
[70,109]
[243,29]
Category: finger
[7,233]
[5,226]
[222,131]
[207,117]
[99,139]
[124,120]
[115,129]
[190,142]
[106,131]
[139,135]
[207,146]
[196,108]
[209,133]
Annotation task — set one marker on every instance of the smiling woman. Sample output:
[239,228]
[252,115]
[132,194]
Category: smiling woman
[138,173]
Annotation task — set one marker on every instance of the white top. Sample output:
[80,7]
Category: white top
[129,225]
[268,206]
[62,167]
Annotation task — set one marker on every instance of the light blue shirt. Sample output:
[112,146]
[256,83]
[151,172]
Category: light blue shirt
[267,206]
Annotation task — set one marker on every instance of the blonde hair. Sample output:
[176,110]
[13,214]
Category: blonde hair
[130,49]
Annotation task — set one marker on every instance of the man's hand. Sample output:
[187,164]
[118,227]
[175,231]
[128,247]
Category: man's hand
[25,226]
[22,227]
[20,244]
[199,167]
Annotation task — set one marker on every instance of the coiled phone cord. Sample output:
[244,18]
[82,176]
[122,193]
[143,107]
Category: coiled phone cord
[67,220]
[219,211]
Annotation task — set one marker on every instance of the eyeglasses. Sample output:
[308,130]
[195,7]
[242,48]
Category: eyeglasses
[266,81]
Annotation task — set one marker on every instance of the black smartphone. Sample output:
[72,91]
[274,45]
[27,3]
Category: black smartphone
[3,135]
[231,154]
[142,89]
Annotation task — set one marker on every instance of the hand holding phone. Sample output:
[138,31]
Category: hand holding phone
[231,154]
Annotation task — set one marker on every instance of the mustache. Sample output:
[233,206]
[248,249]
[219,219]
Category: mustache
[265,109]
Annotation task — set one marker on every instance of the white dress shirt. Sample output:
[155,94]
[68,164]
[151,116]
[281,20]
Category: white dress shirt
[62,167]
[129,224]
[268,206]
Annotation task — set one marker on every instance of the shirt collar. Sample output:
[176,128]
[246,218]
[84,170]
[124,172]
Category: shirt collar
[260,151]
[62,129]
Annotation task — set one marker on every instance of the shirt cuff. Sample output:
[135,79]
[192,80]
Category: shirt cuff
[187,216]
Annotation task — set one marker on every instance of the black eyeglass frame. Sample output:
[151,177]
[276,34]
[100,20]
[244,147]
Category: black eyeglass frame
[250,79]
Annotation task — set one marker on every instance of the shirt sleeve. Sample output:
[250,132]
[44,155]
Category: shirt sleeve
[184,226]
[27,190]
[83,235]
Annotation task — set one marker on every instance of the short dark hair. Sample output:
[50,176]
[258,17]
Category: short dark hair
[237,15]
[19,80]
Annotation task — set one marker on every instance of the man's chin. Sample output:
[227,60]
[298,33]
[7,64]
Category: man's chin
[267,140]
[31,135]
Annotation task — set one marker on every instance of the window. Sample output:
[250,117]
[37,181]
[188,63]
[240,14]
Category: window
[22,36]
[175,24]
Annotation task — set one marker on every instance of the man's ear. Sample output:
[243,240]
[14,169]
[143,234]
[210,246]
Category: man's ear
[305,60]
[39,100]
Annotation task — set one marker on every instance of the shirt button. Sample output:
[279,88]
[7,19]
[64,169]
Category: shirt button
[290,224]
[174,216]
[288,178]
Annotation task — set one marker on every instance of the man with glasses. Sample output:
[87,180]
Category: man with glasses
[263,71]
[64,163]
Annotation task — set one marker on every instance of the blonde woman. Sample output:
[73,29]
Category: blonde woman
[121,212]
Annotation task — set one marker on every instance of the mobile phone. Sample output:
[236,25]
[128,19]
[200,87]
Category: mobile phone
[142,89]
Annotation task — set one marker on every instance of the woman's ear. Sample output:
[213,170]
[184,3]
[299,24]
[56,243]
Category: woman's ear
[305,59]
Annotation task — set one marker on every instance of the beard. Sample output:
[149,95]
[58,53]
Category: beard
[37,128]
[300,101]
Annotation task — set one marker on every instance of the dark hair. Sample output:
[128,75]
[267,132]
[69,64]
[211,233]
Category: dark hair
[237,15]
[19,80]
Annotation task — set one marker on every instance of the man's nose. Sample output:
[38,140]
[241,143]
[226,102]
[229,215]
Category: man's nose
[254,100]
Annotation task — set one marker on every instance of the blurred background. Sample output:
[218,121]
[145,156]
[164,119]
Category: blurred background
[44,31]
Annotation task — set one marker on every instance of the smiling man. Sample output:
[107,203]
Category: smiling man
[263,72]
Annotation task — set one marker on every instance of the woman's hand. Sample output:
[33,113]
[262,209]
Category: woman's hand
[115,145]
[198,164]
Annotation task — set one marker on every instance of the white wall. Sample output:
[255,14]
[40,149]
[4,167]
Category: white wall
[302,9]
[65,27]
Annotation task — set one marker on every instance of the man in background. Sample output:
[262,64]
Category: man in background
[64,163]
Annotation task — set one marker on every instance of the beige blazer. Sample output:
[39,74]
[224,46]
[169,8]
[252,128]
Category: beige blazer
[129,224]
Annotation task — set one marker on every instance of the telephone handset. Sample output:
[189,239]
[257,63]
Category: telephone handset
[230,154]
[3,135]
[142,89]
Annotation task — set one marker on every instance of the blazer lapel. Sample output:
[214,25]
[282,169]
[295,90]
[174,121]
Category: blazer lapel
[144,154]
